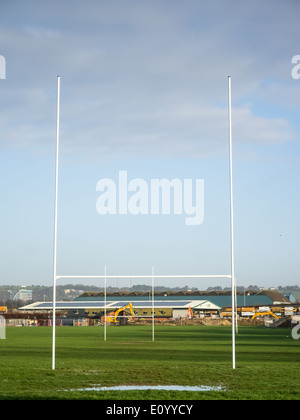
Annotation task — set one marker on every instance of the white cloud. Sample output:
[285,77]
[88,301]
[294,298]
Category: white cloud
[174,130]
[146,77]
[252,128]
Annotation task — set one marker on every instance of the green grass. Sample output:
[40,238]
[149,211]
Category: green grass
[267,362]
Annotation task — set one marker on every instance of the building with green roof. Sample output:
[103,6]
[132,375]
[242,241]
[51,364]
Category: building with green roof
[219,298]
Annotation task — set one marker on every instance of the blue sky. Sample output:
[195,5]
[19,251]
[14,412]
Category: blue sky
[144,89]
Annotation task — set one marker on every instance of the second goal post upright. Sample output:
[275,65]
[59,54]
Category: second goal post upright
[233,285]
[153,307]
[55,224]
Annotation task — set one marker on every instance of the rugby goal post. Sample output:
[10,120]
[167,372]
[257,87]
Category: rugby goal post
[2,328]
[152,276]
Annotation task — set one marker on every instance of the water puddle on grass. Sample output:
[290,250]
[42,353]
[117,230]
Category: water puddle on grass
[202,388]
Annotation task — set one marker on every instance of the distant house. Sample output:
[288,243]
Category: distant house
[25,295]
[294,297]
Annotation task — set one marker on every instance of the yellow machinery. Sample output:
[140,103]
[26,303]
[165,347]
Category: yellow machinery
[264,313]
[114,317]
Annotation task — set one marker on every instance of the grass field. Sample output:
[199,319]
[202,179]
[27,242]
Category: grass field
[267,362]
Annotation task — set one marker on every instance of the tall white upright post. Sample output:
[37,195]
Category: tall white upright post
[231,226]
[153,307]
[55,225]
[105,303]
[236,314]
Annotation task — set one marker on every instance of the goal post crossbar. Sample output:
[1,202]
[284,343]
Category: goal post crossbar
[156,276]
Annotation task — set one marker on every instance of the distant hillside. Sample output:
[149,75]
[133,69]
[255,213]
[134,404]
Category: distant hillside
[70,291]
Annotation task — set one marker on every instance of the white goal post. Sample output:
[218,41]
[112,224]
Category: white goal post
[153,276]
